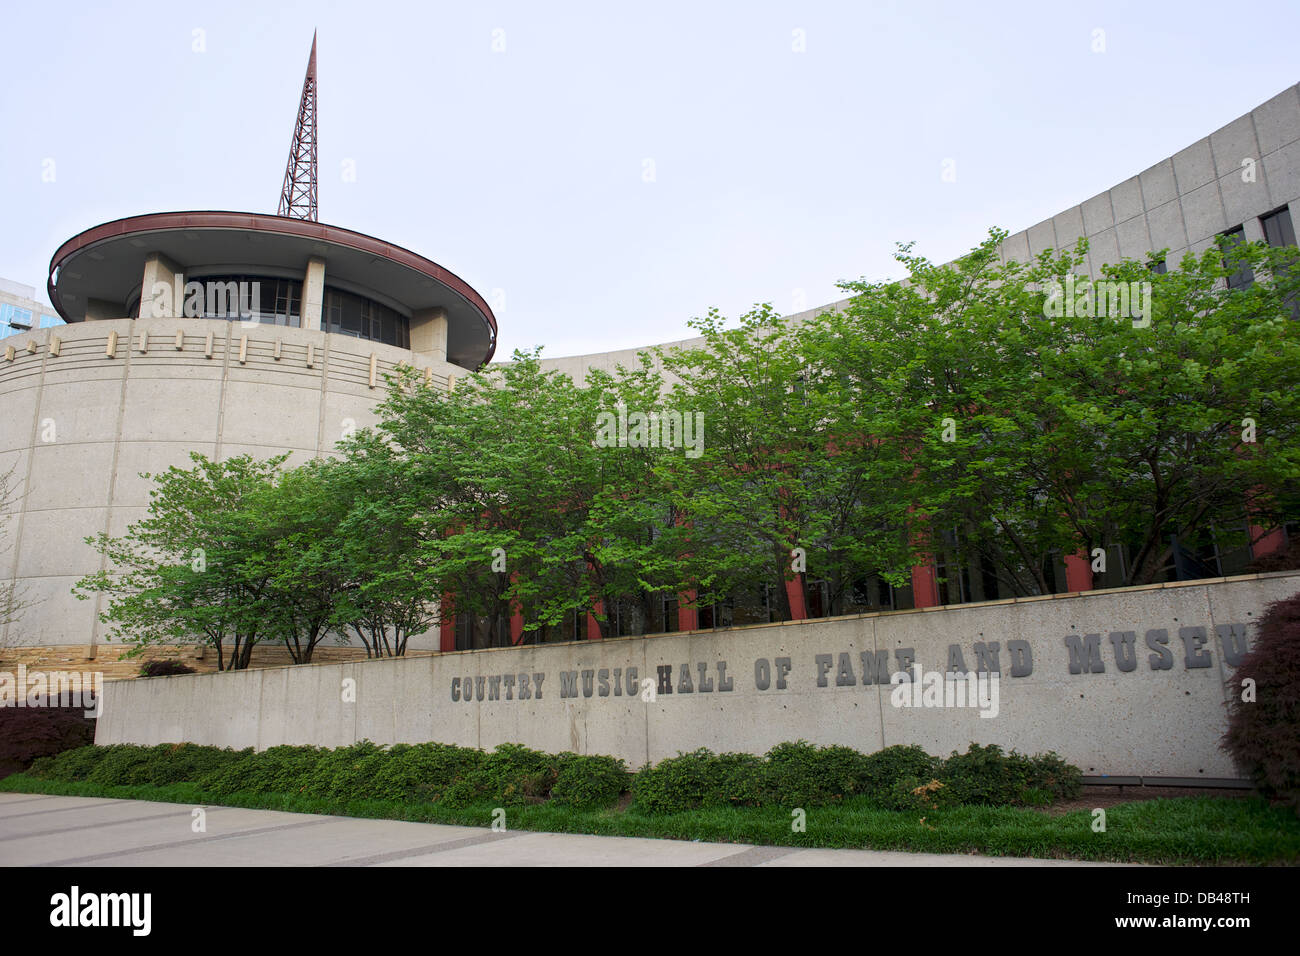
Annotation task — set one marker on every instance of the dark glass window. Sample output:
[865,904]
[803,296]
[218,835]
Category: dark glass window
[269,301]
[347,314]
[1243,276]
[1278,228]
[276,301]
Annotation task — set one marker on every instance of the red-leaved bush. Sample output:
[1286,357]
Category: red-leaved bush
[1264,734]
[30,732]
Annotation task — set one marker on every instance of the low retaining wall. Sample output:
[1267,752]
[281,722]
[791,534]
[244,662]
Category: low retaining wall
[1122,682]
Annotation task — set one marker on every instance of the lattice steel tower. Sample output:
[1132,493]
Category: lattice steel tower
[298,197]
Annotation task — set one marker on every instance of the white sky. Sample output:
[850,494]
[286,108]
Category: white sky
[776,173]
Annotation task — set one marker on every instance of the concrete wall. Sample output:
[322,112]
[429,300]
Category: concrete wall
[1152,722]
[80,426]
[1183,202]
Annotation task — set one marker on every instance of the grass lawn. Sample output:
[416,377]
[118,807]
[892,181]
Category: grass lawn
[1185,830]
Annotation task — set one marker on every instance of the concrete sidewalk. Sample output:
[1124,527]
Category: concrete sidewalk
[81,831]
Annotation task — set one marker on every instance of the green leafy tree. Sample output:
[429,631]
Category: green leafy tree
[193,570]
[1038,429]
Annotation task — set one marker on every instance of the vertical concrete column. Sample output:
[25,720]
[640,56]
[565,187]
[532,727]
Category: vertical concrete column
[429,334]
[313,293]
[162,289]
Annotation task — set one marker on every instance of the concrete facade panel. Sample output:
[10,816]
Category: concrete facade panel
[1041,238]
[1283,172]
[1097,214]
[1158,185]
[1203,212]
[1165,225]
[1232,144]
[1068,227]
[1194,166]
[1134,239]
[1126,200]
[1277,122]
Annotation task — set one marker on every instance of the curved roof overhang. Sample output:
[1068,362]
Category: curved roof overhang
[107,263]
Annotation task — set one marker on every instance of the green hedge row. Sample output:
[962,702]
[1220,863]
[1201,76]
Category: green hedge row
[789,775]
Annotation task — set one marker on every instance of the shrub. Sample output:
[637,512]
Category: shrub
[423,771]
[72,766]
[166,668]
[1058,779]
[684,782]
[511,774]
[801,775]
[987,776]
[885,768]
[794,774]
[30,733]
[982,775]
[181,763]
[916,793]
[743,781]
[589,781]
[1263,735]
[345,772]
[282,769]
[121,765]
[847,770]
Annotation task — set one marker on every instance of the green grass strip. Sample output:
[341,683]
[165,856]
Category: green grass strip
[1186,830]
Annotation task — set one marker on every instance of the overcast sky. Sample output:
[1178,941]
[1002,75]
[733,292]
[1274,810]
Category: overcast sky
[603,172]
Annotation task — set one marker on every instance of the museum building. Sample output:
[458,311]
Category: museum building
[228,333]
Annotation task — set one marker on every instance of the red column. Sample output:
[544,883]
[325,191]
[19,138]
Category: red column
[593,625]
[1265,543]
[794,590]
[1078,572]
[516,617]
[925,584]
[1262,541]
[688,618]
[447,629]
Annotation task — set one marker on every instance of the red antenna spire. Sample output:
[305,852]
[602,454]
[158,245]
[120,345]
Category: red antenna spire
[298,198]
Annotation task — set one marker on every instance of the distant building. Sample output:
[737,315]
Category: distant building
[21,311]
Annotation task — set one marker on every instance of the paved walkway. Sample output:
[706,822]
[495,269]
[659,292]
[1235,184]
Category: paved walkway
[86,831]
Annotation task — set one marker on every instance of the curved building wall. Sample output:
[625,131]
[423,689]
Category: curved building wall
[80,425]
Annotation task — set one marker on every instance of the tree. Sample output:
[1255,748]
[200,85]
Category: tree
[193,570]
[1039,427]
[378,545]
[519,506]
[796,457]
